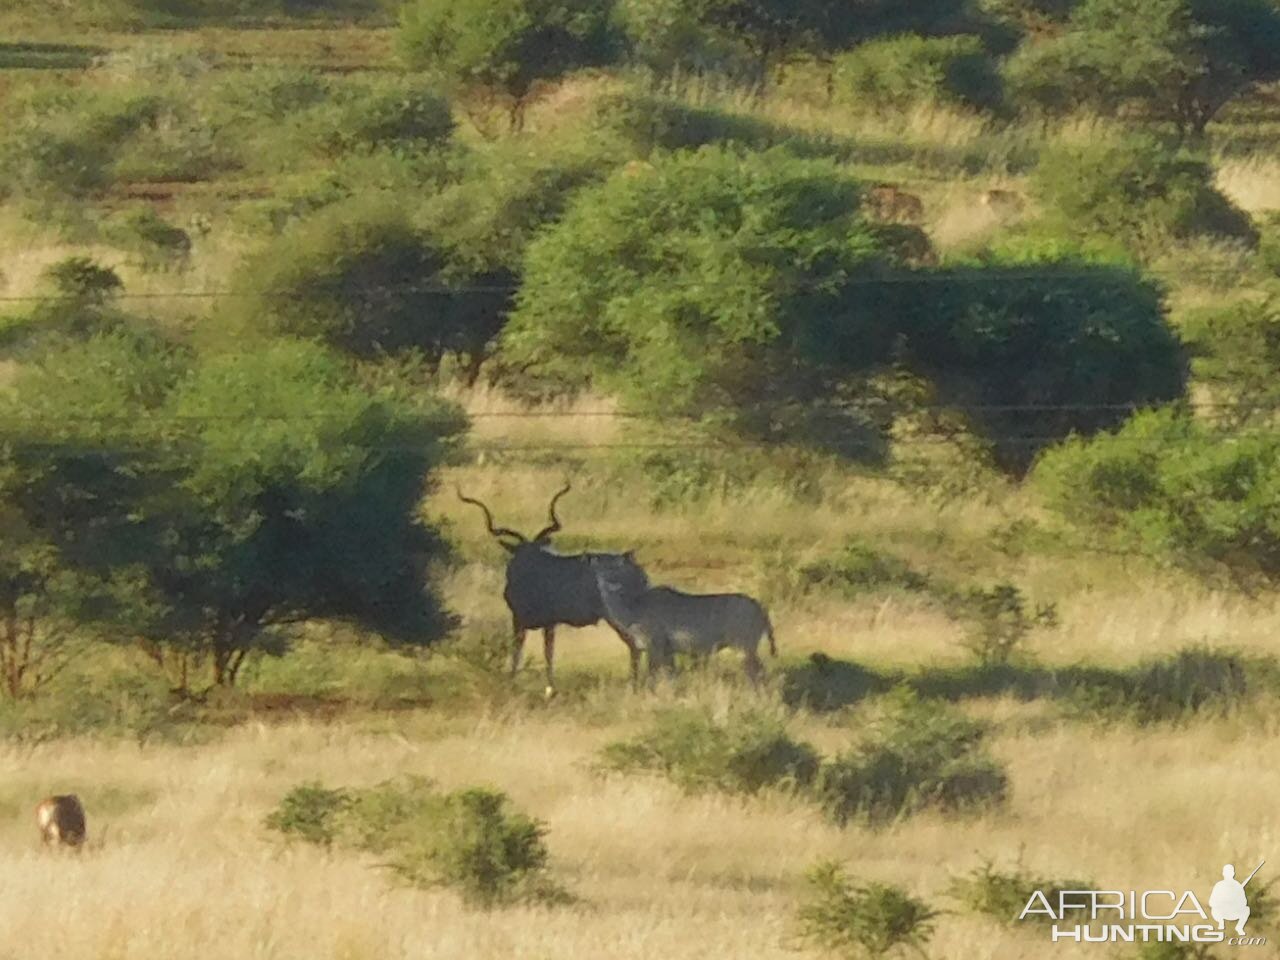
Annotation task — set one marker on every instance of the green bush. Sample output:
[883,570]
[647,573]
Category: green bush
[1236,350]
[309,812]
[728,286]
[470,840]
[744,751]
[1003,896]
[919,755]
[1169,486]
[997,621]
[849,919]
[860,568]
[899,71]
[1136,189]
[389,114]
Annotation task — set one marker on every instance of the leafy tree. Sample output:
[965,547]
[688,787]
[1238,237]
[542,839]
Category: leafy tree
[1136,189]
[214,504]
[705,284]
[1179,490]
[495,51]
[361,277]
[1170,60]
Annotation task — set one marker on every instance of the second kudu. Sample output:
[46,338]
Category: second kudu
[546,589]
[668,621]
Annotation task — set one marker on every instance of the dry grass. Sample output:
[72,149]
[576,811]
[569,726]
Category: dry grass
[1252,183]
[186,867]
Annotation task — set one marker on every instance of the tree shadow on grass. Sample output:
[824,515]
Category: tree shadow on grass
[1191,682]
[24,55]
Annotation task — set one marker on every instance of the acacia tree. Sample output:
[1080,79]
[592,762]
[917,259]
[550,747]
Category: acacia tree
[1171,60]
[362,278]
[495,51]
[212,505]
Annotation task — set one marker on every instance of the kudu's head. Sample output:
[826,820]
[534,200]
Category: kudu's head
[513,540]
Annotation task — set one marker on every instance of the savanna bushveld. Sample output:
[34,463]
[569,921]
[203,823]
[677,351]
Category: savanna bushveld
[946,333]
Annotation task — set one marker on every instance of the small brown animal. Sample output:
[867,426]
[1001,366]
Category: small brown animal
[61,821]
[893,204]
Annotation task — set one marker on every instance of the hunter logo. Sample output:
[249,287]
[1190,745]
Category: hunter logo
[1162,916]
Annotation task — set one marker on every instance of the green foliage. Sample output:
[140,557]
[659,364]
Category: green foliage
[1174,488]
[859,568]
[1136,189]
[1237,351]
[918,755]
[213,504]
[723,277]
[1002,896]
[501,48]
[900,71]
[998,622]
[361,277]
[155,243]
[309,812]
[1032,351]
[1171,60]
[470,840]
[389,113]
[849,919]
[743,751]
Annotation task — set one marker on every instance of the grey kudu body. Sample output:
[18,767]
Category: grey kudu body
[546,589]
[668,621]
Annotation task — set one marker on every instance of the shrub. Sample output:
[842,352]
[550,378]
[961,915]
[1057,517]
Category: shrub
[743,751]
[470,840]
[1137,189]
[900,71]
[1169,486]
[309,812]
[856,920]
[389,114]
[919,755]
[1236,349]
[997,621]
[859,568]
[1033,351]
[1003,896]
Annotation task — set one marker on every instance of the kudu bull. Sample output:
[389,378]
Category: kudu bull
[546,589]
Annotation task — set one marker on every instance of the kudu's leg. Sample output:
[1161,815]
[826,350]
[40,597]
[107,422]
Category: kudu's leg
[549,651]
[634,649]
[753,666]
[517,646]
